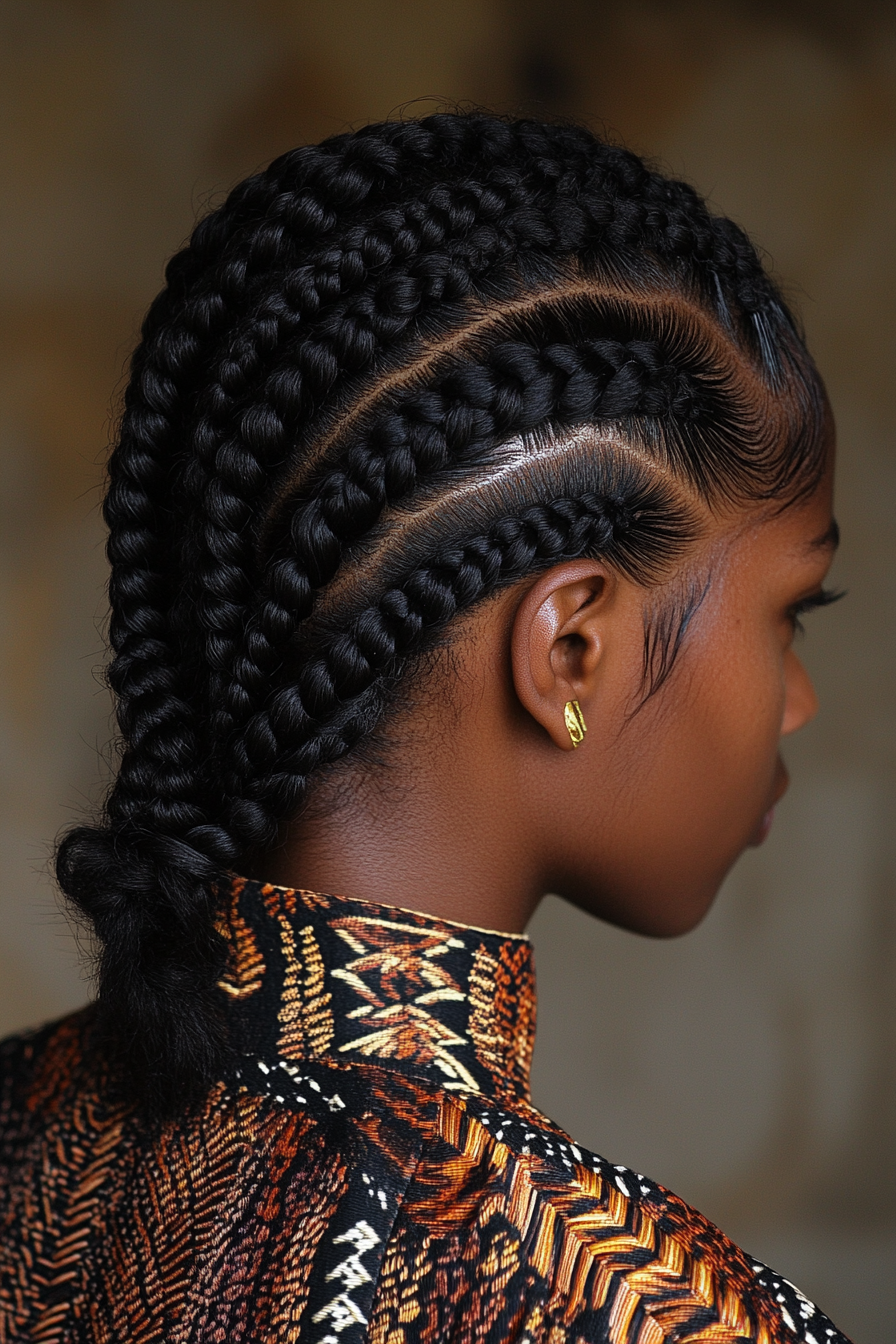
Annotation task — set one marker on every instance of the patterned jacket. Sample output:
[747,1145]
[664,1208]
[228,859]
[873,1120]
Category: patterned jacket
[370,1169]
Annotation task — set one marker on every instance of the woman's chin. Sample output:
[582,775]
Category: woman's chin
[653,913]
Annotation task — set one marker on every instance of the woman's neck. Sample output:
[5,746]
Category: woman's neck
[455,852]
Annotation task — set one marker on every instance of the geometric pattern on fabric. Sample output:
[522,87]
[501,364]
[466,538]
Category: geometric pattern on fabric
[359,981]
[369,1171]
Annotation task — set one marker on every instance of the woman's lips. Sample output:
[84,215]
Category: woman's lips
[782,782]
[763,828]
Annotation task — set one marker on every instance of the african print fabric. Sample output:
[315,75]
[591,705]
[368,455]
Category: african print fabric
[370,1169]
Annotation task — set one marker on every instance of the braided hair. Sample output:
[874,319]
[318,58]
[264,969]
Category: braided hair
[391,374]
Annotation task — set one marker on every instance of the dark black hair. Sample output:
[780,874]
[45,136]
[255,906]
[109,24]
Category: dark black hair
[351,416]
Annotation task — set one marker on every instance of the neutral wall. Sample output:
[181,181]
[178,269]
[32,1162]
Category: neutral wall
[751,1065]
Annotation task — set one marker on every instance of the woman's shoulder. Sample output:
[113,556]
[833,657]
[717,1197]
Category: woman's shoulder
[39,1068]
[603,1239]
[518,1225]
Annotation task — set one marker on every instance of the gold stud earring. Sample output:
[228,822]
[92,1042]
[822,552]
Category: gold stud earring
[575,722]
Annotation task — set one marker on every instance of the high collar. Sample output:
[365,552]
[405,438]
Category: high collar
[321,977]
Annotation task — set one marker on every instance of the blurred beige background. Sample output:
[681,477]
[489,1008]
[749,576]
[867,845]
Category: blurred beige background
[750,1066]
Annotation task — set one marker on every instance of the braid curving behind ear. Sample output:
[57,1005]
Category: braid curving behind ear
[349,419]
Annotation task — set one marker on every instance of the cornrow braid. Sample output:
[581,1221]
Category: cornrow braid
[392,374]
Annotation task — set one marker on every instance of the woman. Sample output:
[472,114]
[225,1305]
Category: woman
[471,482]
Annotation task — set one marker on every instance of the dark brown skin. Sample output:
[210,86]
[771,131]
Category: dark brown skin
[485,806]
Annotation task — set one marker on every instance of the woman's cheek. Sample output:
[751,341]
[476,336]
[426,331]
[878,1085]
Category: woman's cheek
[738,730]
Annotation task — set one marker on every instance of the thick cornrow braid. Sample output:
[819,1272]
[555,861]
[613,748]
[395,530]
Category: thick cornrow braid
[349,340]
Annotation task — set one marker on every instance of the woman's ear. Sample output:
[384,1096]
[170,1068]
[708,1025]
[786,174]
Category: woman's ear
[557,643]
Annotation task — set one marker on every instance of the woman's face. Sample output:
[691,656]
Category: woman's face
[661,801]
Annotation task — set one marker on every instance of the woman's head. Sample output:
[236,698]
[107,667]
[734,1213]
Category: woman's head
[391,378]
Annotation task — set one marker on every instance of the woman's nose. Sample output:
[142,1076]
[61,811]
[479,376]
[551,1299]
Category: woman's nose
[800,700]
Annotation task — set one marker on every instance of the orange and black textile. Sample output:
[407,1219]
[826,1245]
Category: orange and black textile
[371,1169]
